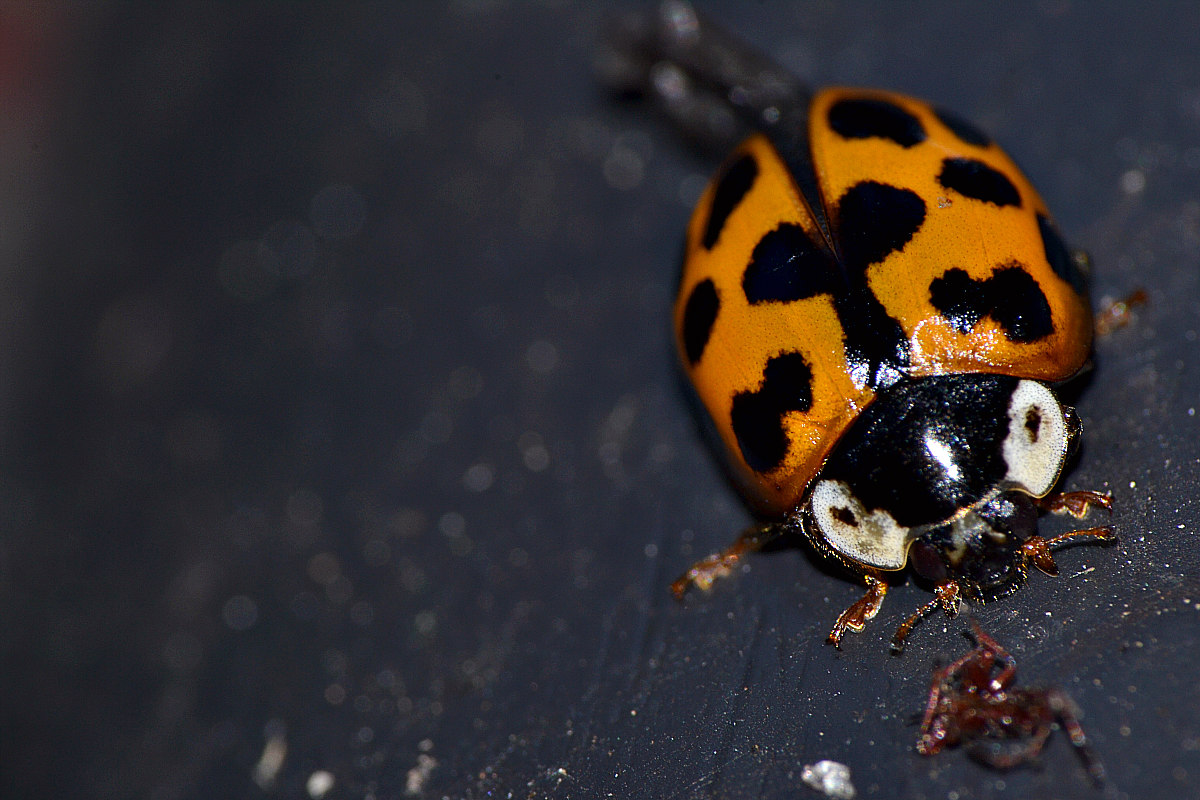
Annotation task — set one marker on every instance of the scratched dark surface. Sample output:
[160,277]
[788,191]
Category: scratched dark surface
[341,423]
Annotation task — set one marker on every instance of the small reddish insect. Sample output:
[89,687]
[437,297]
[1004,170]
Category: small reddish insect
[973,702]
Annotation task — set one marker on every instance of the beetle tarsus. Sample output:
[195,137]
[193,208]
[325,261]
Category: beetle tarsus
[704,573]
[947,595]
[1037,549]
[864,608]
[1119,313]
[1077,504]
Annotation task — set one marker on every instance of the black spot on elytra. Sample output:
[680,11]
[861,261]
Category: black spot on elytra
[788,265]
[757,416]
[878,352]
[1058,255]
[965,131]
[976,179]
[874,220]
[865,119]
[1011,297]
[698,317]
[731,188]
[1033,423]
[844,516]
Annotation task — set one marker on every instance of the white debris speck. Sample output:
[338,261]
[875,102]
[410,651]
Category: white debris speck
[273,754]
[830,778]
[1133,181]
[319,784]
[479,477]
[417,776]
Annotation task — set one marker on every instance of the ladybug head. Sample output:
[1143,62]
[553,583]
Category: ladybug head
[980,549]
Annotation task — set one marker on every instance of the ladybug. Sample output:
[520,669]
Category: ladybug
[874,309]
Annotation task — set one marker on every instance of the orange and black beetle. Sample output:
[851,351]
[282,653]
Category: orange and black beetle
[874,307]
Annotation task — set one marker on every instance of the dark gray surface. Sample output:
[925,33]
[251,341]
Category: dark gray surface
[342,411]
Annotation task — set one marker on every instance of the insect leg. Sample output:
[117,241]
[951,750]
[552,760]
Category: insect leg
[998,653]
[1077,504]
[703,573]
[1064,707]
[713,86]
[855,617]
[1037,550]
[1118,313]
[946,595]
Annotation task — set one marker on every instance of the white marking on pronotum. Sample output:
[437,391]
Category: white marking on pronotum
[1036,444]
[872,537]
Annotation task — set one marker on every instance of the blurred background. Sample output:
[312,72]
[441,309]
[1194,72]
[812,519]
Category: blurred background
[343,452]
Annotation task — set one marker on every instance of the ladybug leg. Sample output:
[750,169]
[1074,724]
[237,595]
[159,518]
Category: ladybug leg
[1037,550]
[714,87]
[1119,313]
[1082,260]
[947,595]
[704,573]
[855,617]
[1077,504]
